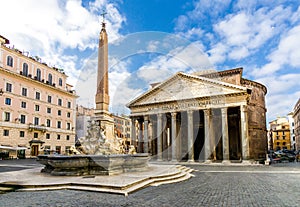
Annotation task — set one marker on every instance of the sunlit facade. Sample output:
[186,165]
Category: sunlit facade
[37,106]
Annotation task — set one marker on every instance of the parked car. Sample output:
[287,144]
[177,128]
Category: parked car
[297,157]
[285,155]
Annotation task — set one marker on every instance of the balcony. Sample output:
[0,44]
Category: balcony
[41,128]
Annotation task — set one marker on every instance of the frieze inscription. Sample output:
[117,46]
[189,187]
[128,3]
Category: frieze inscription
[186,105]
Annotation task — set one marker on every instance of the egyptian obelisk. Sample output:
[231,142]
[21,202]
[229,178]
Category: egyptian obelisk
[102,114]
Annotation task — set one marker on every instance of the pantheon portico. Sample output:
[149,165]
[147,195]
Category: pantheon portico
[217,116]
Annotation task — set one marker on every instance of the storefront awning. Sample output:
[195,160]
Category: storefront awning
[36,141]
[12,148]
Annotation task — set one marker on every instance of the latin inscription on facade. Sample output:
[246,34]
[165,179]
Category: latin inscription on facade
[187,105]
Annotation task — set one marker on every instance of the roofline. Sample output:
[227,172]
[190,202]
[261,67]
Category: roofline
[224,72]
[186,75]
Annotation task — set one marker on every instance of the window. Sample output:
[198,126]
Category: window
[277,143]
[68,126]
[47,136]
[37,107]
[8,87]
[59,112]
[22,134]
[50,78]
[59,102]
[22,119]
[25,69]
[48,123]
[7,101]
[6,116]
[283,143]
[36,121]
[24,91]
[68,114]
[10,61]
[58,136]
[37,95]
[23,104]
[59,124]
[67,149]
[6,132]
[38,74]
[49,110]
[69,104]
[49,99]
[60,82]
[47,150]
[35,135]
[68,137]
[58,149]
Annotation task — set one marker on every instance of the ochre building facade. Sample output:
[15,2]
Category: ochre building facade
[215,116]
[37,106]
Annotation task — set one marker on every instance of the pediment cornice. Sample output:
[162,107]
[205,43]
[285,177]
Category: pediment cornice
[181,84]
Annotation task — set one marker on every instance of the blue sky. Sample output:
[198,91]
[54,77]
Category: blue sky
[152,39]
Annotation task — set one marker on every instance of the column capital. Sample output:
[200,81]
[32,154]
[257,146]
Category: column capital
[173,114]
[224,110]
[244,108]
[146,118]
[190,112]
[207,112]
[159,116]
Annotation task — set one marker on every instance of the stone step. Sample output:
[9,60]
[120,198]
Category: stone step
[172,175]
[6,189]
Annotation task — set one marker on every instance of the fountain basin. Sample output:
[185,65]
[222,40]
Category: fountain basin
[77,165]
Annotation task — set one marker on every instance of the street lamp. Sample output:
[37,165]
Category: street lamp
[271,139]
[1,92]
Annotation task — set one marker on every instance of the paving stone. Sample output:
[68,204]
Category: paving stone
[277,185]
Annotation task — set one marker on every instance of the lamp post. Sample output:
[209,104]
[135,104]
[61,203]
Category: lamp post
[271,139]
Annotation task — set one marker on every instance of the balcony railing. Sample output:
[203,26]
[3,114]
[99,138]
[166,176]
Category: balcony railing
[41,128]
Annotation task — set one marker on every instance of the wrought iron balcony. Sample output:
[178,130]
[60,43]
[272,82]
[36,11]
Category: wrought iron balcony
[41,128]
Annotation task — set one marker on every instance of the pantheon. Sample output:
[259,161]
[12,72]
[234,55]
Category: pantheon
[204,116]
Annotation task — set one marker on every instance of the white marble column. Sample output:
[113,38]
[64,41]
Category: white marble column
[207,125]
[140,136]
[146,137]
[244,132]
[159,137]
[174,131]
[133,132]
[225,136]
[190,136]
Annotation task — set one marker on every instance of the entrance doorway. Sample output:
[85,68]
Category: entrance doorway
[34,150]
[234,117]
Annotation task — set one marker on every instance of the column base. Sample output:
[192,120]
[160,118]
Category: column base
[191,161]
[207,162]
[246,162]
[226,162]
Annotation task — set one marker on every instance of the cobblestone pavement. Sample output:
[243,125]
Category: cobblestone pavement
[275,185]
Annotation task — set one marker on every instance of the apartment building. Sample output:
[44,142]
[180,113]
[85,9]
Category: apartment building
[296,117]
[38,107]
[280,134]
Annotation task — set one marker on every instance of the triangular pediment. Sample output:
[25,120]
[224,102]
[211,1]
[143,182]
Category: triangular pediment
[182,86]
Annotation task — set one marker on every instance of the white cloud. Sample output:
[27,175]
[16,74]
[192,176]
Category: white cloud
[243,32]
[49,28]
[286,53]
[183,58]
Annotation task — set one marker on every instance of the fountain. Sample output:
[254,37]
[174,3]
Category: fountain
[96,155]
[100,152]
